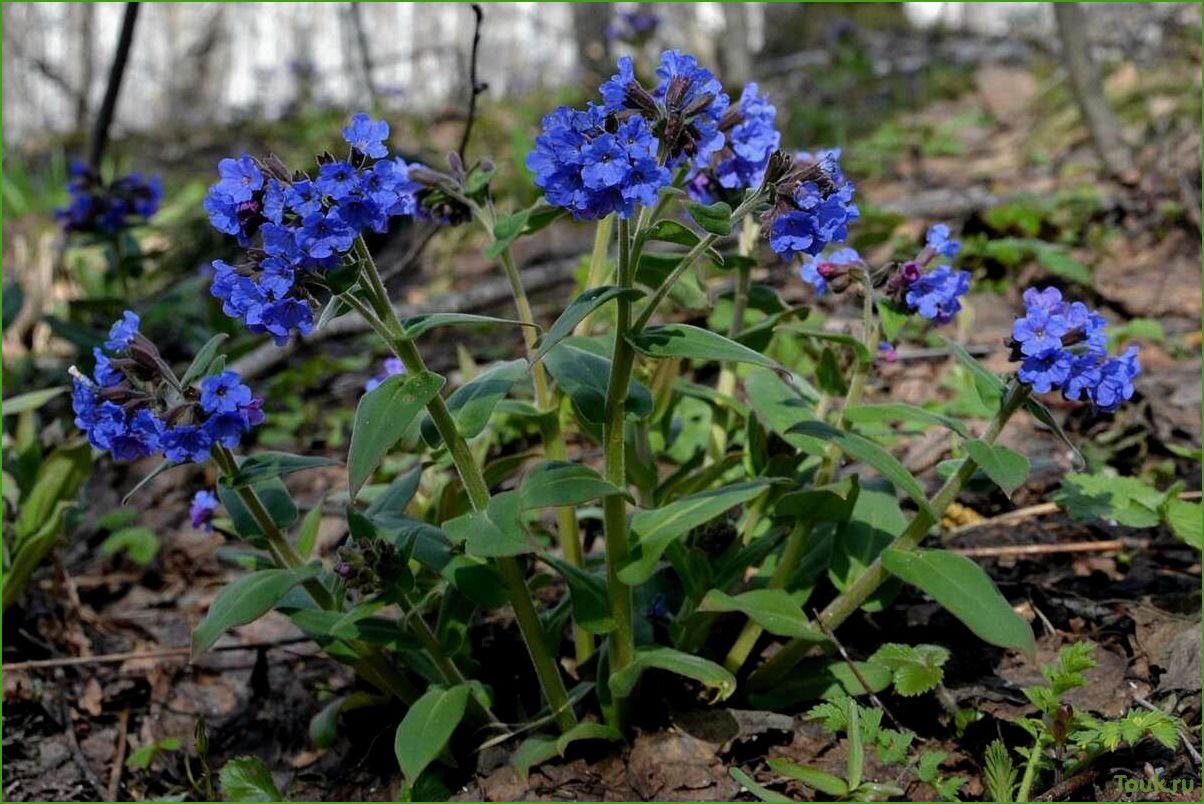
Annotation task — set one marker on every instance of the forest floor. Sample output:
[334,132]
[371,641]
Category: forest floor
[94,671]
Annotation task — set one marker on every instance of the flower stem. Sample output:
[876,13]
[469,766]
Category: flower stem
[614,508]
[868,581]
[389,328]
[597,264]
[726,385]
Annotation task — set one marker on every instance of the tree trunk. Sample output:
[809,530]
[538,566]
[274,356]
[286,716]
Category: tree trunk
[737,60]
[590,21]
[1089,92]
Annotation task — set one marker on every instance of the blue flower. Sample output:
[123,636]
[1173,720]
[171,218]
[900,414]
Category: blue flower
[303,197]
[1116,380]
[694,101]
[240,178]
[1045,371]
[123,331]
[104,373]
[1083,378]
[750,140]
[222,211]
[817,271]
[614,90]
[186,442]
[201,510]
[939,241]
[101,208]
[605,163]
[392,366]
[338,180]
[937,294]
[273,201]
[1039,331]
[224,393]
[325,233]
[227,428]
[138,438]
[814,206]
[367,136]
[84,403]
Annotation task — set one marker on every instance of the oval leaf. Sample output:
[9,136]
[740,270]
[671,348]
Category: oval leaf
[427,727]
[418,324]
[473,402]
[705,671]
[715,218]
[381,417]
[245,600]
[587,592]
[695,343]
[552,484]
[775,610]
[579,309]
[267,465]
[961,587]
[248,779]
[1007,468]
[493,533]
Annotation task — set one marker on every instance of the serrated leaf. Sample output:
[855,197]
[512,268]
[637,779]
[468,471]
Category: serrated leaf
[248,779]
[916,669]
[1184,519]
[1007,468]
[1124,500]
[381,417]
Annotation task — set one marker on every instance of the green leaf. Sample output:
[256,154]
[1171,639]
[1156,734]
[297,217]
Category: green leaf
[138,542]
[825,783]
[307,533]
[892,317]
[473,402]
[868,452]
[961,587]
[383,414]
[417,325]
[714,218]
[694,343]
[848,341]
[763,793]
[989,386]
[822,678]
[856,751]
[579,309]
[1008,469]
[587,592]
[901,411]
[275,498]
[158,470]
[245,600]
[917,669]
[656,529]
[999,774]
[583,376]
[267,465]
[535,750]
[248,779]
[874,522]
[775,610]
[22,403]
[495,532]
[200,363]
[671,231]
[505,231]
[1042,414]
[144,756]
[552,484]
[587,730]
[780,407]
[427,727]
[704,671]
[1055,260]
[1124,500]
[1184,520]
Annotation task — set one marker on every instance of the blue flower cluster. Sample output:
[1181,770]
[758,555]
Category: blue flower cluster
[305,226]
[200,512]
[937,294]
[593,169]
[831,271]
[100,208]
[1064,345]
[749,139]
[130,409]
[392,366]
[634,27]
[813,206]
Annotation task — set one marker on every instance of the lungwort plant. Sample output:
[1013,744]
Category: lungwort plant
[737,469]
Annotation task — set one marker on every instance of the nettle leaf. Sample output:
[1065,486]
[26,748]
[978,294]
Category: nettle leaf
[427,727]
[199,366]
[917,668]
[417,325]
[777,611]
[382,416]
[1124,500]
[656,529]
[583,375]
[901,411]
[966,591]
[694,343]
[473,402]
[248,779]
[579,309]
[267,465]
[505,231]
[714,218]
[1007,468]
[711,675]
[495,532]
[552,484]
[587,593]
[245,600]
[868,452]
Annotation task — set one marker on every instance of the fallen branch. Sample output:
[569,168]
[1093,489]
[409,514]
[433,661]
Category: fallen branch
[1028,512]
[1111,545]
[133,655]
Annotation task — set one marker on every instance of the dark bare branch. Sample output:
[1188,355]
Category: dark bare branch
[108,106]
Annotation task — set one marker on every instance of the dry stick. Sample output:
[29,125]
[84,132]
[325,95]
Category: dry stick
[108,106]
[134,655]
[123,728]
[475,87]
[1027,512]
[844,654]
[1108,546]
[1068,786]
[77,753]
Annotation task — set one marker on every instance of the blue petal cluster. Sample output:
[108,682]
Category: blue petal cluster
[814,207]
[1064,345]
[99,208]
[592,169]
[749,139]
[135,419]
[200,512]
[819,272]
[391,367]
[937,294]
[940,242]
[300,227]
[634,27]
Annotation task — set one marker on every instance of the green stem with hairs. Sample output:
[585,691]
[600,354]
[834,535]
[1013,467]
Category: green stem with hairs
[383,319]
[1030,770]
[856,593]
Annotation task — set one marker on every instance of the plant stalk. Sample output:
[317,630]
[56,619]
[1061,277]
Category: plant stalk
[597,264]
[1030,770]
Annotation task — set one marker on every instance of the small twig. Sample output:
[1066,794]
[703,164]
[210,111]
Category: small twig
[474,86]
[77,753]
[831,637]
[160,653]
[123,728]
[108,106]
[1028,512]
[1068,786]
[1108,546]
